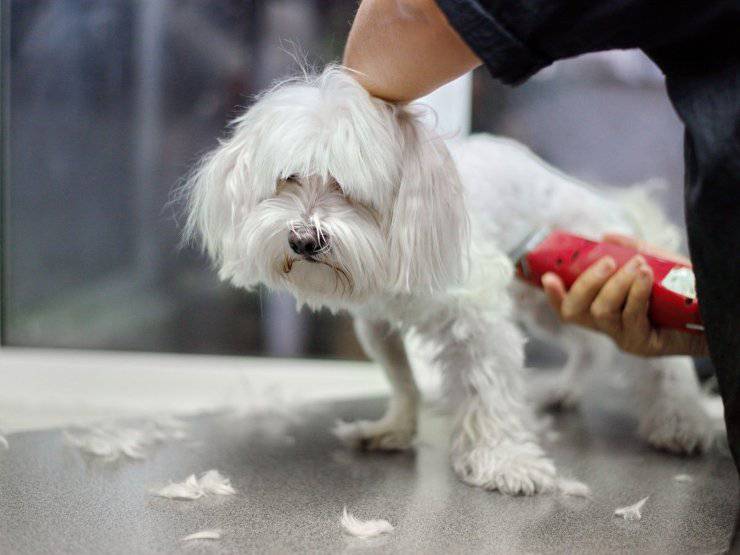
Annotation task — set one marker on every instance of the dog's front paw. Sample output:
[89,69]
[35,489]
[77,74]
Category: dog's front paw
[677,425]
[380,435]
[513,469]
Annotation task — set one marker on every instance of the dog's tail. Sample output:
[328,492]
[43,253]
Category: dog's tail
[642,206]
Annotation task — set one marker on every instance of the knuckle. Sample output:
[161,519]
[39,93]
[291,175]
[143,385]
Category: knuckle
[634,346]
[629,314]
[628,347]
[601,313]
[588,285]
[568,314]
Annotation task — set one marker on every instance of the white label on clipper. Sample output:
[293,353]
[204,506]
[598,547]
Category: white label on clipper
[681,280]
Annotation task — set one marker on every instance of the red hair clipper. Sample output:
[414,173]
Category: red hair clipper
[673,303]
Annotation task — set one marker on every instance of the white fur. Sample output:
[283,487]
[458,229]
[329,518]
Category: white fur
[364,528]
[573,488]
[204,535]
[414,239]
[112,440]
[210,483]
[632,512]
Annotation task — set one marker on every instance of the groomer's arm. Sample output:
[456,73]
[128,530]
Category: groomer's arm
[404,49]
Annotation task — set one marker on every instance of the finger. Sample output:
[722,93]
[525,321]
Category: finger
[622,240]
[606,309]
[642,246]
[584,290]
[635,320]
[554,290]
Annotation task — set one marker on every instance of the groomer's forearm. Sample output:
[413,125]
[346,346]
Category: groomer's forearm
[404,49]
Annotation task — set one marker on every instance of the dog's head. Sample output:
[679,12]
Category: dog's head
[329,193]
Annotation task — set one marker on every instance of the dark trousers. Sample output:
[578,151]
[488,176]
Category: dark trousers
[708,101]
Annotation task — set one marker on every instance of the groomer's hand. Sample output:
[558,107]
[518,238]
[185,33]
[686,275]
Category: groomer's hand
[616,302]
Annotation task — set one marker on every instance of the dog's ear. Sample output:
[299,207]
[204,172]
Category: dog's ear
[429,227]
[214,198]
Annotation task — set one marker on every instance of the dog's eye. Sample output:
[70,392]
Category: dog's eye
[291,179]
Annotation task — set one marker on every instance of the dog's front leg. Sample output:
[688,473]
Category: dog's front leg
[397,428]
[494,444]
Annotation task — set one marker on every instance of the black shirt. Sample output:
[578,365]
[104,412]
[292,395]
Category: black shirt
[517,38]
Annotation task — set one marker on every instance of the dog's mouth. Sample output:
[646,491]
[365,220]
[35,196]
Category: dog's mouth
[343,281]
[288,262]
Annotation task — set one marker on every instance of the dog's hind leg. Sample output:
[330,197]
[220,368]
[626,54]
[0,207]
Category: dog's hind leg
[396,429]
[565,389]
[584,352]
[672,416]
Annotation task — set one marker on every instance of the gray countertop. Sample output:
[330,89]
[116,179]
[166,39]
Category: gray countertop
[293,477]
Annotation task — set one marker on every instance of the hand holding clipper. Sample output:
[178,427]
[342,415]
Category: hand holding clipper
[673,302]
[615,288]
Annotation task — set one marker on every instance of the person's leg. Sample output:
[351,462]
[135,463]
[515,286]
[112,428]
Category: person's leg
[710,107]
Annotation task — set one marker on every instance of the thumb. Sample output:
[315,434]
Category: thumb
[554,290]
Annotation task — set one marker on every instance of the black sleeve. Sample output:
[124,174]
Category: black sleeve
[517,38]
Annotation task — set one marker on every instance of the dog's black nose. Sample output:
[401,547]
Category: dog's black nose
[307,242]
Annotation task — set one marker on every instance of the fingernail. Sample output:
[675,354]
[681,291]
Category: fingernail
[606,266]
[646,273]
[635,263]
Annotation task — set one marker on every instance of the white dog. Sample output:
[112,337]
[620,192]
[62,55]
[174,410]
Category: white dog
[352,203]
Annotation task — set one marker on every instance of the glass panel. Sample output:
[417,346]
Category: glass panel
[110,103]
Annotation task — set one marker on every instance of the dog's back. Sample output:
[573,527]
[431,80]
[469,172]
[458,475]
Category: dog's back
[511,192]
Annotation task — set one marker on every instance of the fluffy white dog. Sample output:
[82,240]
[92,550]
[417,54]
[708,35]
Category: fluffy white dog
[352,203]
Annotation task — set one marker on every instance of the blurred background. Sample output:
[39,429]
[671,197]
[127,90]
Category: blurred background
[108,103]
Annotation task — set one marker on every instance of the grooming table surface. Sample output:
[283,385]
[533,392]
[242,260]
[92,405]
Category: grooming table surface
[293,477]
